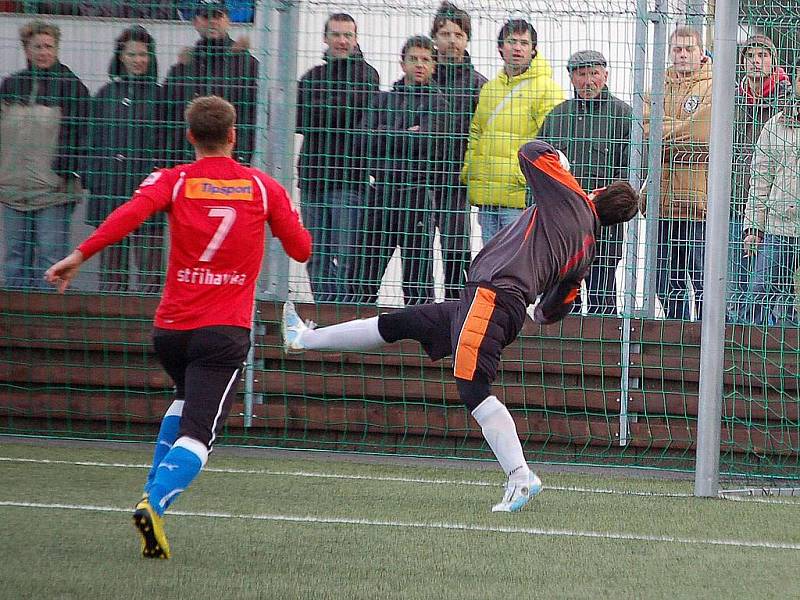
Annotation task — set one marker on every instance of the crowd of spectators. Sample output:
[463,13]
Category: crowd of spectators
[240,11]
[100,148]
[382,170]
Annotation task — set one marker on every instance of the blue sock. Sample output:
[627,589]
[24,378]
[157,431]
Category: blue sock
[177,470]
[167,435]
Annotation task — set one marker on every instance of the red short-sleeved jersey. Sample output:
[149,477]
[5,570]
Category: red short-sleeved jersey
[216,210]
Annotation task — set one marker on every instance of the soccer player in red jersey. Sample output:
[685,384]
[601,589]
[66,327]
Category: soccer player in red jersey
[217,210]
[546,252]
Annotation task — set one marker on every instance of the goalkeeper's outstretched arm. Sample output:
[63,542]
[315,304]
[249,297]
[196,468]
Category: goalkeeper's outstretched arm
[556,303]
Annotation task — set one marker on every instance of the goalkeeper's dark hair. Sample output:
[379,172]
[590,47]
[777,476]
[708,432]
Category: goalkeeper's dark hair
[210,118]
[617,203]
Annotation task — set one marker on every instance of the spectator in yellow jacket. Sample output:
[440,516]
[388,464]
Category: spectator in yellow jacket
[686,133]
[510,112]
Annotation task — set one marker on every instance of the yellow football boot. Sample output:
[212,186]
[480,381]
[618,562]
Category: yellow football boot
[151,529]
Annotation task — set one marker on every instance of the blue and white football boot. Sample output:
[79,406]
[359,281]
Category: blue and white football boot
[518,494]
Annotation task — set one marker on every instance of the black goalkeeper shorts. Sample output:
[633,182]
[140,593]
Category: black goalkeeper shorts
[206,365]
[473,329]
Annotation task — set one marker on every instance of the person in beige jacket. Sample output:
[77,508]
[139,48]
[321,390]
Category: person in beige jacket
[683,190]
[772,217]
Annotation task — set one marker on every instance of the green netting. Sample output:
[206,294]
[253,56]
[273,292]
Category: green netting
[398,178]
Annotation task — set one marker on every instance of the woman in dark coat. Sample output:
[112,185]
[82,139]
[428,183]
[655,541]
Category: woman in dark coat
[125,117]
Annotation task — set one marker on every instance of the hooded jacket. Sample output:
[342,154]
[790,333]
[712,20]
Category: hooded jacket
[510,113]
[217,67]
[462,84]
[686,135]
[405,136]
[332,100]
[54,101]
[126,119]
[774,203]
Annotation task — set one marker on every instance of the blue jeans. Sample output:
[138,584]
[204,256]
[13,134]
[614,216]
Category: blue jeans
[335,220]
[771,294]
[739,273]
[681,255]
[34,240]
[493,218]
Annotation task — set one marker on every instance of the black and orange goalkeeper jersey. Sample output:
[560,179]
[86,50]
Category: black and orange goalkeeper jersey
[549,248]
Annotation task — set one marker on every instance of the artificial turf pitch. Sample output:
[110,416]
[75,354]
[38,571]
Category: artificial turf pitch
[267,526]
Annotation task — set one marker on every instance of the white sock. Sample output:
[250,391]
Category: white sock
[501,434]
[350,336]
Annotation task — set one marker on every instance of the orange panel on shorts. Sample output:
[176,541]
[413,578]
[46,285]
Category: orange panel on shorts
[472,333]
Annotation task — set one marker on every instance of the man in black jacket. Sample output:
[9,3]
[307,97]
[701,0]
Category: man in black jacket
[216,66]
[593,131]
[458,79]
[332,100]
[403,148]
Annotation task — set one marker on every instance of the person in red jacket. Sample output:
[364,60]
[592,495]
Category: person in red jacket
[217,210]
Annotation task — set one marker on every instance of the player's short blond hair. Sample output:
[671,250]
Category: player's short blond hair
[210,118]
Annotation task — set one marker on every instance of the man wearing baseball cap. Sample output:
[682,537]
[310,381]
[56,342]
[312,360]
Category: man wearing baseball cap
[593,131]
[217,66]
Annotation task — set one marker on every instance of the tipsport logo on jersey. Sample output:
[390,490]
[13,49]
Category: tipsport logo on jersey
[219,189]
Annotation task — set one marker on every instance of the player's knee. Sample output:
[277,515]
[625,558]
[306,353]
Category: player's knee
[195,446]
[392,326]
[473,392]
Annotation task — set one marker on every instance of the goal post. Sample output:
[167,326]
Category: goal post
[712,344]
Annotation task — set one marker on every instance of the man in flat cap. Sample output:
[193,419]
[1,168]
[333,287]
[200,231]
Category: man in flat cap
[593,131]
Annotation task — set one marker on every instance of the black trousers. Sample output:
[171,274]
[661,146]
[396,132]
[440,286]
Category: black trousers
[601,284]
[474,330]
[451,216]
[398,216]
[206,365]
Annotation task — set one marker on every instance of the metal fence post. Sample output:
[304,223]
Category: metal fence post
[261,52]
[281,138]
[656,123]
[712,340]
[635,164]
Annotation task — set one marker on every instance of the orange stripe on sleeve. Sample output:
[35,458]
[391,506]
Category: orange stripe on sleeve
[473,332]
[530,225]
[571,296]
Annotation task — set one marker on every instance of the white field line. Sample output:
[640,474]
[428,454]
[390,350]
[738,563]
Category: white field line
[312,474]
[424,481]
[601,535]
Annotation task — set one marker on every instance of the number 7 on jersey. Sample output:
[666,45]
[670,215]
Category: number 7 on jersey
[228,216]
